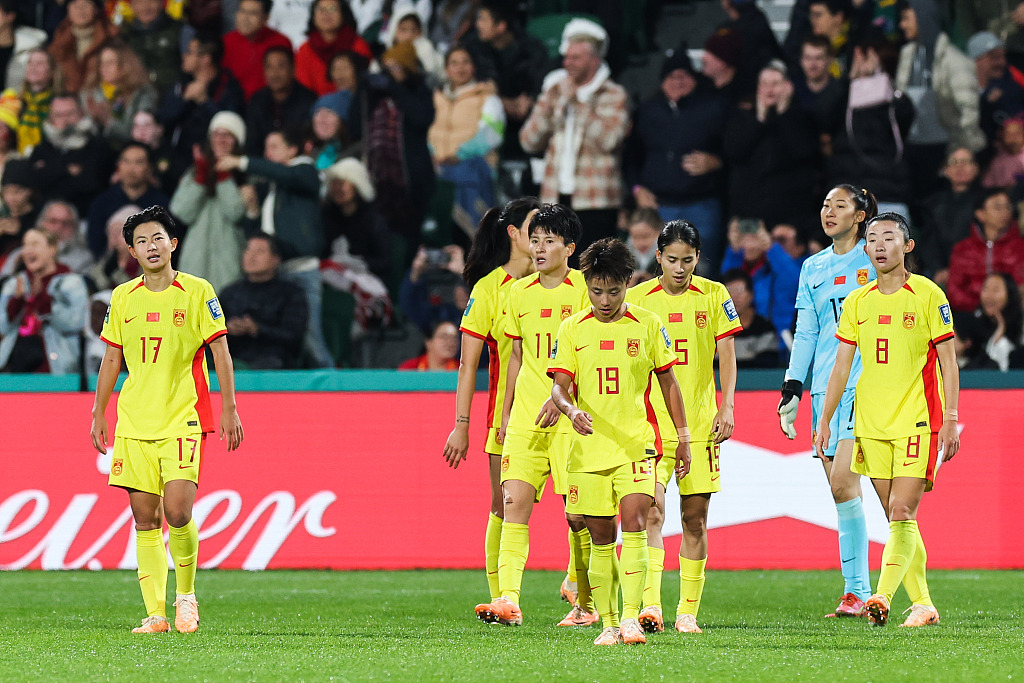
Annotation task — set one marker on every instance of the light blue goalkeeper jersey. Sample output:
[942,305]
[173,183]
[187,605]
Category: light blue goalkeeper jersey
[826,279]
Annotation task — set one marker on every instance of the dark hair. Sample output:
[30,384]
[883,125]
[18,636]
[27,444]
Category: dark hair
[491,247]
[988,194]
[813,40]
[834,6]
[411,15]
[459,47]
[10,7]
[607,259]
[863,200]
[679,231]
[647,215]
[279,49]
[500,11]
[210,44]
[358,62]
[135,144]
[154,214]
[347,18]
[272,243]
[267,5]
[740,275]
[560,220]
[1013,314]
[892,217]
[293,136]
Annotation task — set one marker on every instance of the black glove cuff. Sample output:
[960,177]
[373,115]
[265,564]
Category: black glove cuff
[792,387]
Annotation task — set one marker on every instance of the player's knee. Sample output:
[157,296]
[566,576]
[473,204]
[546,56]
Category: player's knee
[148,525]
[695,526]
[842,492]
[655,517]
[178,518]
[901,512]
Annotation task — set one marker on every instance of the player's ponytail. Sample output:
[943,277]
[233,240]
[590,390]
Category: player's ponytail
[679,231]
[862,200]
[491,247]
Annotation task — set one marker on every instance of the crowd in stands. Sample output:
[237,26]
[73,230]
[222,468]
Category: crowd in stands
[330,158]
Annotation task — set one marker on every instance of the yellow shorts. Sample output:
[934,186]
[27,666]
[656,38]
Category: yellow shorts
[492,446]
[148,465]
[703,476]
[534,456]
[598,493]
[912,456]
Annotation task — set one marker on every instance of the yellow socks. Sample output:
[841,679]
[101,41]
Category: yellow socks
[634,571]
[603,584]
[570,571]
[652,584]
[898,554]
[916,581]
[691,585]
[183,543]
[492,545]
[515,548]
[579,541]
[152,558]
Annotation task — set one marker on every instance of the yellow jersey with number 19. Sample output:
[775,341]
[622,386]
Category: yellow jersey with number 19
[534,314]
[163,336]
[612,365]
[899,393]
[695,320]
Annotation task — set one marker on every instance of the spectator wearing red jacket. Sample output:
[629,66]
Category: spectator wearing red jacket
[332,29]
[439,352]
[995,245]
[245,46]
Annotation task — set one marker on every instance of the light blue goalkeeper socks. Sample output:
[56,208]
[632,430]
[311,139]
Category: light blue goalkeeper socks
[853,548]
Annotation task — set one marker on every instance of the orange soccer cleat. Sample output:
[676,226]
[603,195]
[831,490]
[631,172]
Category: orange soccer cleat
[153,625]
[578,616]
[878,609]
[687,623]
[568,591]
[631,632]
[921,615]
[609,636]
[501,611]
[186,615]
[651,620]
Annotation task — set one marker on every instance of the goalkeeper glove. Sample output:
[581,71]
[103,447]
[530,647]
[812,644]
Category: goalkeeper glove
[791,391]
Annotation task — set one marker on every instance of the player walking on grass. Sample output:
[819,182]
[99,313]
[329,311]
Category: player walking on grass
[160,325]
[499,256]
[611,351]
[535,441]
[906,404]
[826,279]
[700,318]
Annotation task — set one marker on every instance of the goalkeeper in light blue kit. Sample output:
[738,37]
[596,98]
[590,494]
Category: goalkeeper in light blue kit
[826,279]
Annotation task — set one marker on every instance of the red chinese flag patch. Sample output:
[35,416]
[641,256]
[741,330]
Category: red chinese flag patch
[608,345]
[675,317]
[885,320]
[840,280]
[545,312]
[153,317]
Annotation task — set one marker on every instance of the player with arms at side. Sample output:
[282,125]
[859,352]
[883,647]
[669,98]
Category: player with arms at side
[499,255]
[612,351]
[160,325]
[826,279]
[906,404]
[535,442]
[700,318]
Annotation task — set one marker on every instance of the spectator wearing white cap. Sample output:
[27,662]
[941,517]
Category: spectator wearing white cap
[349,213]
[210,201]
[1000,85]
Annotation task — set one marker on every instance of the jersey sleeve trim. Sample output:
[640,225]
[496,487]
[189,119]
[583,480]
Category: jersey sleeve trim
[667,366]
[846,341]
[942,338]
[471,333]
[116,346]
[553,371]
[729,333]
[216,335]
[512,336]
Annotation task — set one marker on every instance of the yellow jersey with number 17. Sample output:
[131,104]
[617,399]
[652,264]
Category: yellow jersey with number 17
[612,365]
[484,318]
[534,314]
[695,320]
[163,336]
[899,393]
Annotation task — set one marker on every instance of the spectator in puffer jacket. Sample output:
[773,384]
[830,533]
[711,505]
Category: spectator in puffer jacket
[994,246]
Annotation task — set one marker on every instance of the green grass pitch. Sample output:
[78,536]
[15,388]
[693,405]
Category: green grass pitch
[413,626]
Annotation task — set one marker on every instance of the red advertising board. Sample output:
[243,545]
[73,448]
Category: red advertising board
[357,481]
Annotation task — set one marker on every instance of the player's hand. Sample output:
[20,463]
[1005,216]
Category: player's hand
[683,459]
[503,429]
[791,391]
[457,445]
[231,429]
[548,415]
[581,421]
[949,439]
[99,432]
[822,438]
[723,424]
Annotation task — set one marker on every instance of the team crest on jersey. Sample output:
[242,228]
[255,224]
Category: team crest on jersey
[117,467]
[504,463]
[468,306]
[632,348]
[215,312]
[862,276]
[566,312]
[701,318]
[179,317]
[943,313]
[730,310]
[909,320]
[574,494]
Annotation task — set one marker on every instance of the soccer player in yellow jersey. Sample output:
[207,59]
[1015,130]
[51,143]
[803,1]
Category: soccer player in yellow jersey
[160,324]
[612,351]
[535,442]
[499,255]
[906,404]
[700,318]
